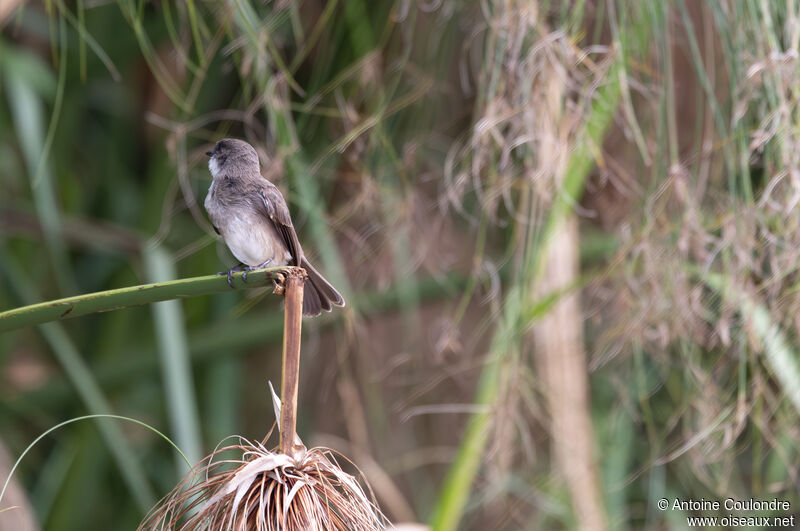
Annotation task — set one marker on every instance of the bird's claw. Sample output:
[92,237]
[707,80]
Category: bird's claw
[241,267]
[229,273]
[247,269]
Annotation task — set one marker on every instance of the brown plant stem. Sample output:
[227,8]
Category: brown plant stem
[292,323]
[561,361]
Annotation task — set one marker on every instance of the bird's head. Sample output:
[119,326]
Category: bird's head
[231,154]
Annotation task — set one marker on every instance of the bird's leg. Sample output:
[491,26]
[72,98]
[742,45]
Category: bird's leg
[231,271]
[247,269]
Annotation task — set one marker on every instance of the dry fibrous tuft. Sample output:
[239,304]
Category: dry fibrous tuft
[725,209]
[729,207]
[262,490]
[534,91]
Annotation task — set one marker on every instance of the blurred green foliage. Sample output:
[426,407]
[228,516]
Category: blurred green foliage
[428,150]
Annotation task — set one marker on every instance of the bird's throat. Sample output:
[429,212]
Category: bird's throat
[213,166]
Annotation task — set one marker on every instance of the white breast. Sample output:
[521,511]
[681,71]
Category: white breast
[252,240]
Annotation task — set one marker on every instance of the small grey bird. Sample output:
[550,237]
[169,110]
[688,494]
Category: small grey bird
[251,215]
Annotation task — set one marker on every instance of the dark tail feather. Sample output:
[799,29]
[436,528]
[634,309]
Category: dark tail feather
[318,294]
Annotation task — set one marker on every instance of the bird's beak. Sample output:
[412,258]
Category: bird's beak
[210,153]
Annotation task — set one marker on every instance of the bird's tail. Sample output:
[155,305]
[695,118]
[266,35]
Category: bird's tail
[318,294]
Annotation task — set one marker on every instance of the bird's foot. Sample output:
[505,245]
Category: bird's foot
[229,273]
[247,269]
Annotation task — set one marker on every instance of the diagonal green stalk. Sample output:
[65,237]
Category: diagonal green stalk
[455,492]
[103,301]
[230,338]
[780,356]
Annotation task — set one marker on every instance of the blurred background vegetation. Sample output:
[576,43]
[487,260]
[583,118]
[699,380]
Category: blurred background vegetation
[567,233]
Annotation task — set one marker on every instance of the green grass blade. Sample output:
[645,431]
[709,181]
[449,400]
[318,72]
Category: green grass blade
[92,396]
[195,25]
[27,111]
[89,40]
[77,419]
[174,355]
[47,488]
[51,130]
[223,401]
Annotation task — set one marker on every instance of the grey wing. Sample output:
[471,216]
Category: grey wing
[319,294]
[274,207]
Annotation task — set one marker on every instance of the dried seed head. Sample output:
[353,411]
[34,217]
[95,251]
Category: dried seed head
[263,490]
